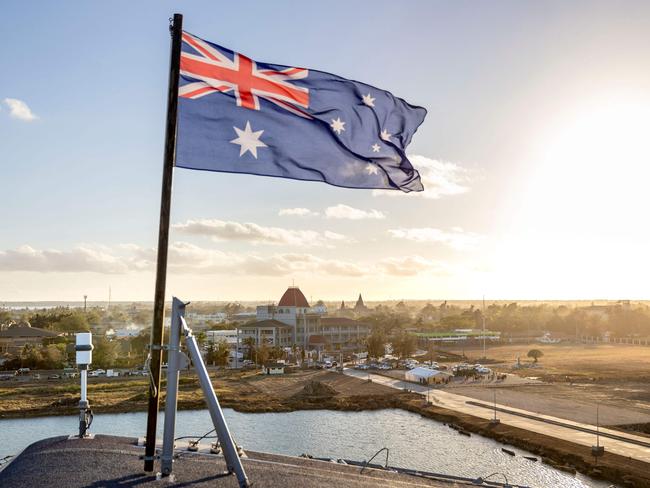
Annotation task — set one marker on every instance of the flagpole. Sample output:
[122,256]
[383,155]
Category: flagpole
[176,28]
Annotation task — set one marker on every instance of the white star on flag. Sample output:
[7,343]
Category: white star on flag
[368,100]
[385,135]
[248,140]
[337,125]
[371,169]
[375,147]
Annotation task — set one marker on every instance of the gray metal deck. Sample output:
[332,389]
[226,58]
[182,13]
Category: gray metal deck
[110,461]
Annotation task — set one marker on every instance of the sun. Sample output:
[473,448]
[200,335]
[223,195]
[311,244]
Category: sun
[579,229]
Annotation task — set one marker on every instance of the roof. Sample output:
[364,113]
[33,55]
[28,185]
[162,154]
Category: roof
[274,365]
[265,323]
[27,331]
[114,461]
[426,372]
[293,297]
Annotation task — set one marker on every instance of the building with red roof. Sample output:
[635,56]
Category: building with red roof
[294,322]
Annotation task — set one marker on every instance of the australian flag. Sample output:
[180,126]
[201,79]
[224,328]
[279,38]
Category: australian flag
[237,115]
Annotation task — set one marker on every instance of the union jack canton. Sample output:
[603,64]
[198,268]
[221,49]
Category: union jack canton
[241,116]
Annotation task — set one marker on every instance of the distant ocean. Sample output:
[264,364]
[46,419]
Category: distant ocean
[49,305]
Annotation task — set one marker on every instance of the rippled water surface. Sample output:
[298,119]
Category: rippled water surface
[414,442]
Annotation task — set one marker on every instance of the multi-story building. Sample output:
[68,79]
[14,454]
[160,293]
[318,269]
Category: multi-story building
[270,332]
[294,322]
[16,336]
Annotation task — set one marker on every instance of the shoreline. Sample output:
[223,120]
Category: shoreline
[252,393]
[558,454]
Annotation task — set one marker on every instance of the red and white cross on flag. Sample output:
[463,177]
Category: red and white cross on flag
[241,75]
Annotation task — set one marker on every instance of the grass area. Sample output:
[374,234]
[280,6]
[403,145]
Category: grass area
[473,333]
[244,391]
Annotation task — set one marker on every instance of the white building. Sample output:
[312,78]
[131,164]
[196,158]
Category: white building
[426,376]
[229,336]
[125,332]
[274,368]
[271,332]
[203,318]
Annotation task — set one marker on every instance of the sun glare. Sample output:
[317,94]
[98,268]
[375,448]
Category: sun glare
[595,167]
[582,212]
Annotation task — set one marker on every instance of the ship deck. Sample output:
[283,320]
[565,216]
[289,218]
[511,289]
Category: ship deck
[111,461]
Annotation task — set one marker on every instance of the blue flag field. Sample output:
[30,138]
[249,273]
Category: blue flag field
[240,116]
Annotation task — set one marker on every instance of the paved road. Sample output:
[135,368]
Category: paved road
[459,403]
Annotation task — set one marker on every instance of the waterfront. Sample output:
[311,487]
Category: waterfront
[413,441]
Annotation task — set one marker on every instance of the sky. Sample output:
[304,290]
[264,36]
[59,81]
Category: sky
[534,154]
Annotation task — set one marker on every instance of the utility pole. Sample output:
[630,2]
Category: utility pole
[85,299]
[483,316]
[597,450]
[495,420]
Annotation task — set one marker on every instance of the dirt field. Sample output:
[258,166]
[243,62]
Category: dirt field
[562,362]
[577,378]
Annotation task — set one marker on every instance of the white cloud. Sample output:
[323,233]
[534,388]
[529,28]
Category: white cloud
[189,259]
[408,266]
[79,259]
[336,237]
[456,238]
[256,234]
[440,179]
[298,211]
[341,211]
[20,110]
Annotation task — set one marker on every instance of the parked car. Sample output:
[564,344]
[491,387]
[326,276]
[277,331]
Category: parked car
[54,377]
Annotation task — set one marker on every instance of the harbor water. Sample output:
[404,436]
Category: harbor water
[413,441]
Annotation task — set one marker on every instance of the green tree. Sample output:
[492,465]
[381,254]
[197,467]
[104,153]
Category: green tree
[46,319]
[276,353]
[404,345]
[105,353]
[201,338]
[263,353]
[221,353]
[30,356]
[75,322]
[139,344]
[375,344]
[53,356]
[5,317]
[535,354]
